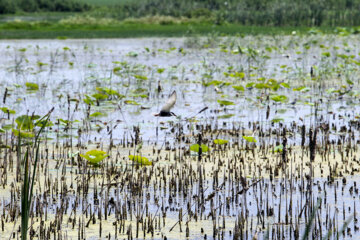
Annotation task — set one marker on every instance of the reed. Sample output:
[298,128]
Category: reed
[29,174]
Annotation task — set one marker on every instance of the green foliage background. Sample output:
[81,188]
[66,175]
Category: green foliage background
[244,12]
[14,6]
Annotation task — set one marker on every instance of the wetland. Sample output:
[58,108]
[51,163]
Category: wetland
[264,144]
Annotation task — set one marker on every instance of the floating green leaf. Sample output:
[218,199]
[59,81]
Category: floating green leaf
[140,77]
[97,114]
[25,122]
[196,148]
[131,102]
[220,141]
[139,90]
[226,116]
[285,85]
[276,120]
[132,54]
[279,148]
[64,121]
[240,74]
[31,86]
[261,85]
[94,156]
[7,110]
[109,92]
[348,81]
[140,96]
[116,70]
[332,90]
[7,126]
[47,123]
[40,64]
[249,85]
[279,98]
[225,102]
[326,54]
[100,96]
[141,160]
[23,134]
[213,82]
[88,100]
[249,139]
[302,89]
[239,88]
[160,70]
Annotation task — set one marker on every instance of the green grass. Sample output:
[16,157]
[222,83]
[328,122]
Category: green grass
[143,30]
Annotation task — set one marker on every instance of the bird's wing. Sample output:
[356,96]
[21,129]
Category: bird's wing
[170,103]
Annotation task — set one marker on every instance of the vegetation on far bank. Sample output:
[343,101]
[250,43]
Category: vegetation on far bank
[21,30]
[144,18]
[245,12]
[155,26]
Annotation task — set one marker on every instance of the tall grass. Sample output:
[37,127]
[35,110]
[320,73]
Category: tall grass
[29,175]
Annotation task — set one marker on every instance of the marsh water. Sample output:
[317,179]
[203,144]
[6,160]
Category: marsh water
[286,106]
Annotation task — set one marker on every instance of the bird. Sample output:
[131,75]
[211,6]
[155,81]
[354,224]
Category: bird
[165,110]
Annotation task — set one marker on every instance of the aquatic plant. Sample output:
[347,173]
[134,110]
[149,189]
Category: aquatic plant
[196,148]
[25,122]
[140,160]
[94,156]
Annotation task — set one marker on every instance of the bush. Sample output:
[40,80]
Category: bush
[7,6]
[10,6]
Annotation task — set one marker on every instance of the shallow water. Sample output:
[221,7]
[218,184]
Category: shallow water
[68,70]
[93,64]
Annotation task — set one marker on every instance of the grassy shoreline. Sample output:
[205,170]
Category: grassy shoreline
[144,30]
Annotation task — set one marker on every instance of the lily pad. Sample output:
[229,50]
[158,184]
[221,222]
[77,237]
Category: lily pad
[94,156]
[31,86]
[131,102]
[249,139]
[220,141]
[100,96]
[279,98]
[279,148]
[225,102]
[97,114]
[141,160]
[7,127]
[239,88]
[276,120]
[7,110]
[25,122]
[23,134]
[226,116]
[196,148]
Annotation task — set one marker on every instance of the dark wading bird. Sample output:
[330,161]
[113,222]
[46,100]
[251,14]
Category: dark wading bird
[165,110]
